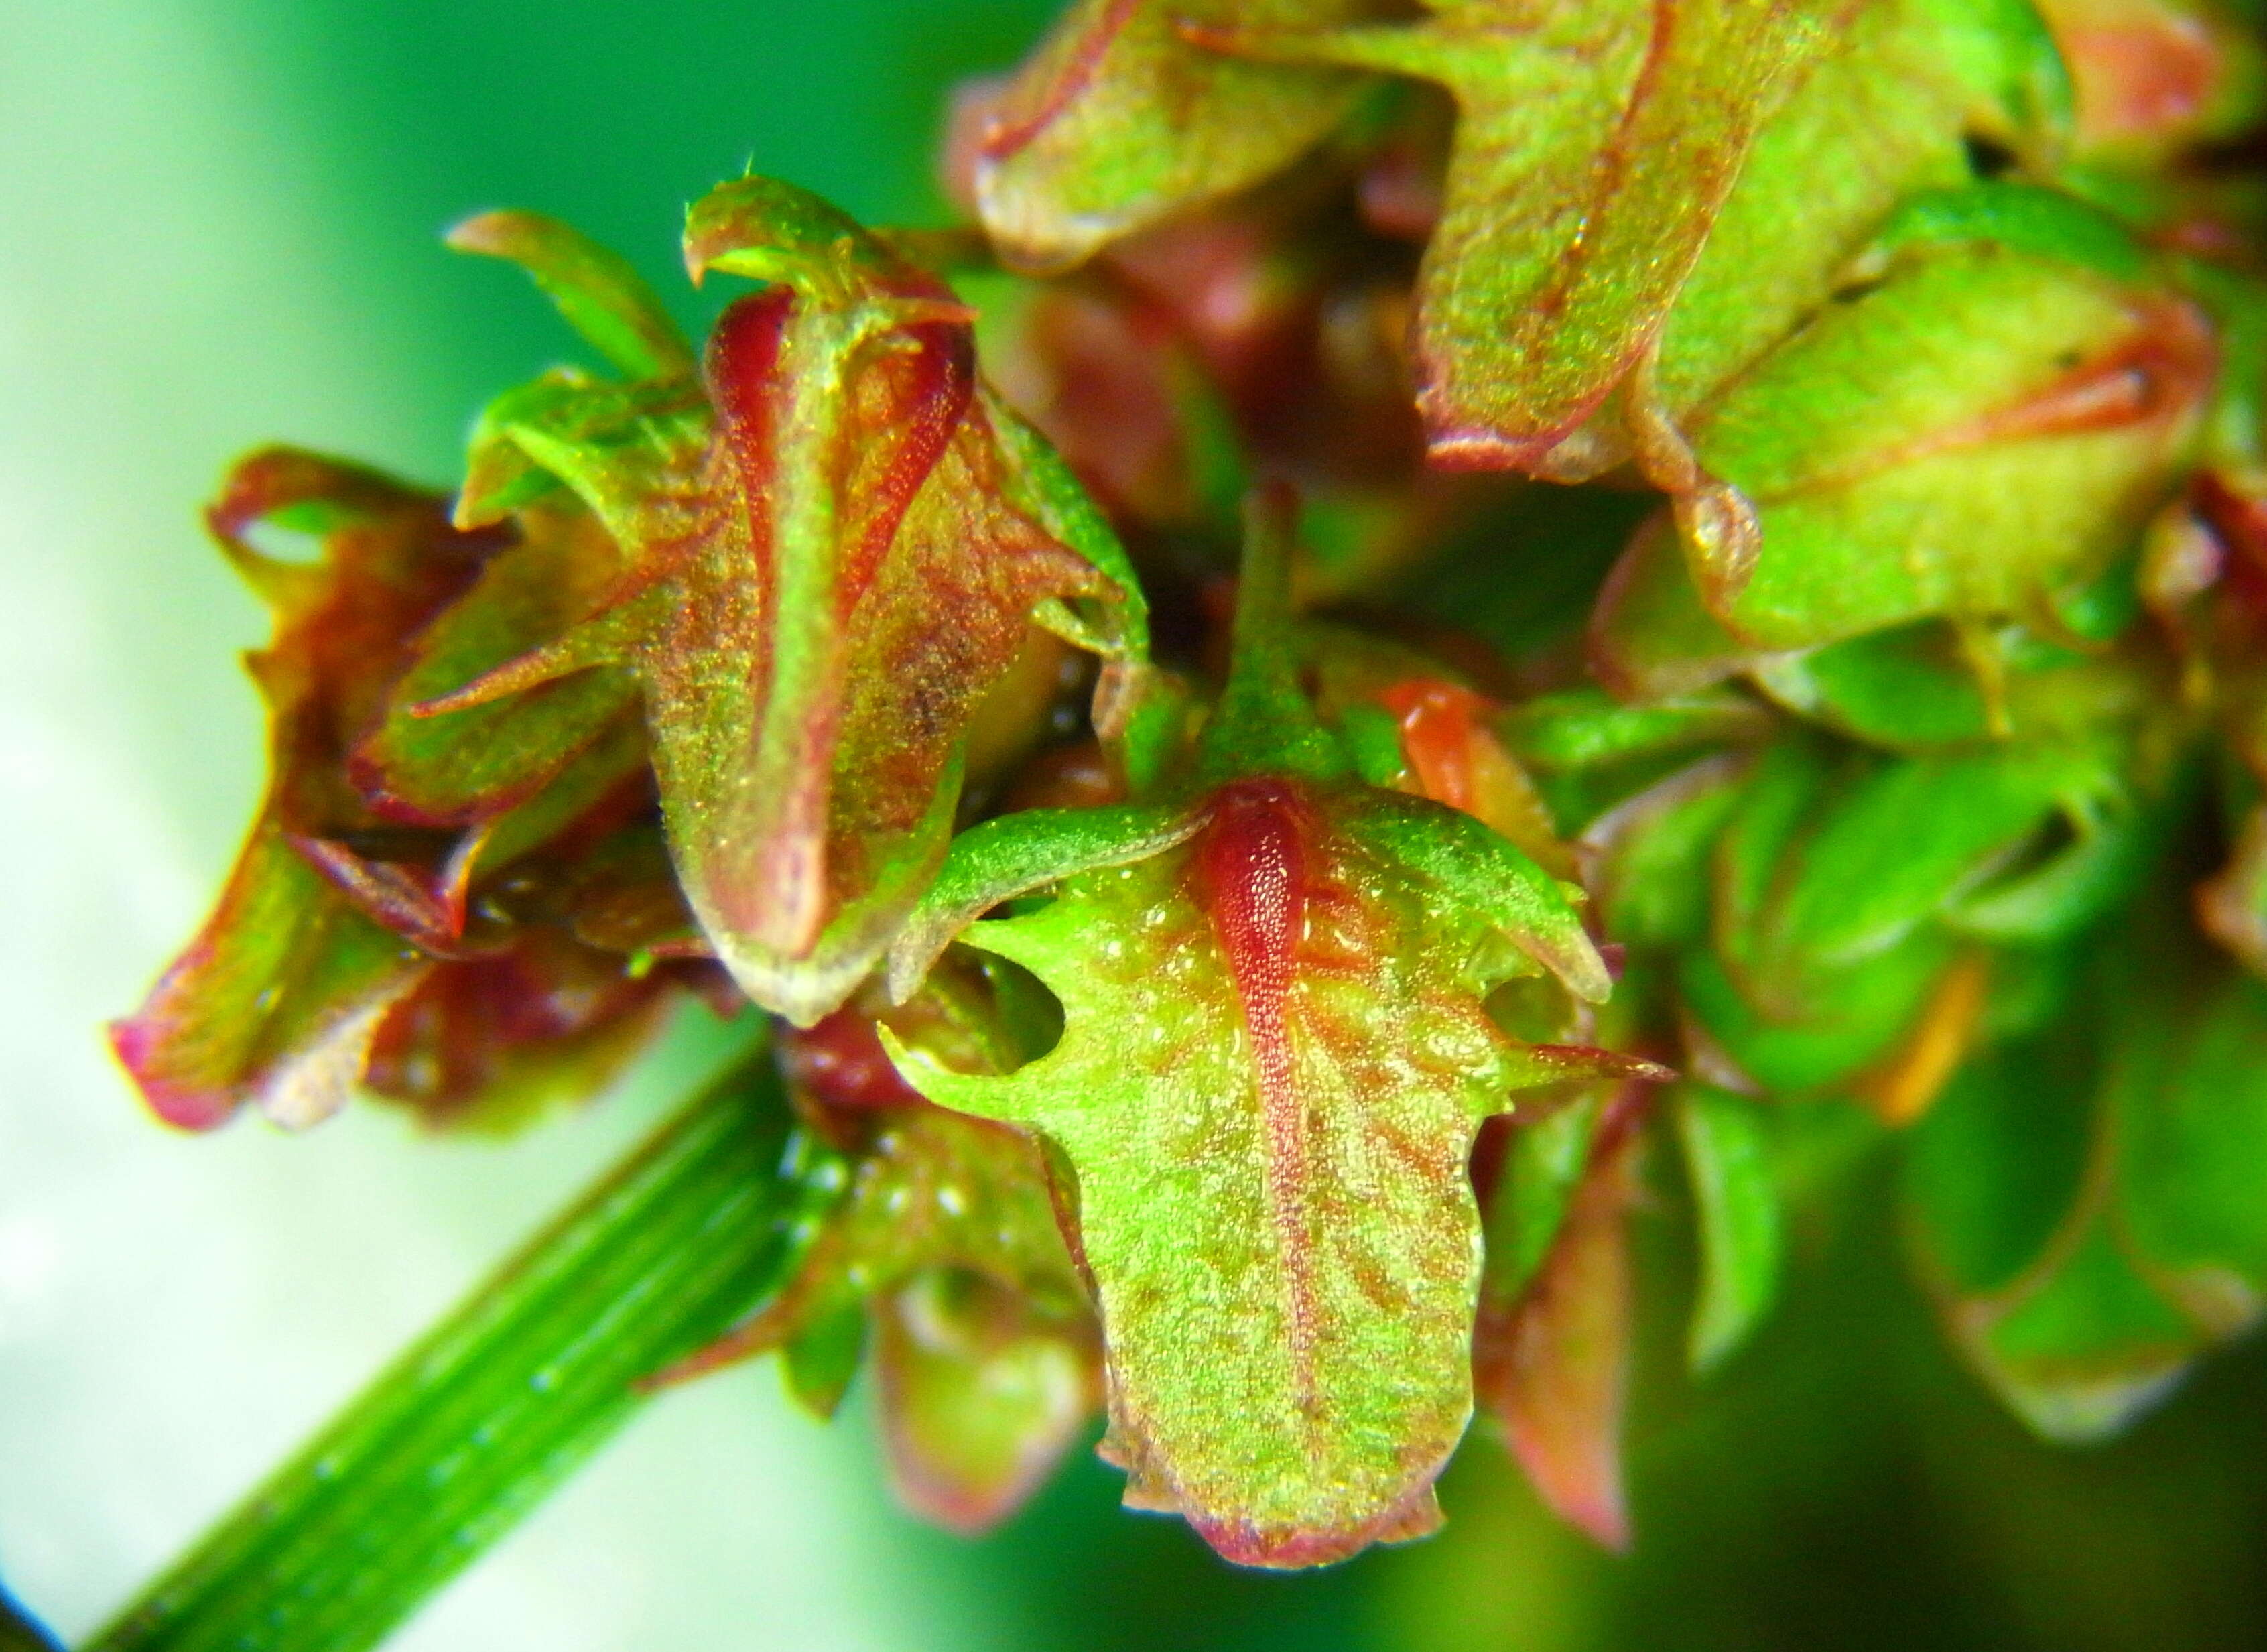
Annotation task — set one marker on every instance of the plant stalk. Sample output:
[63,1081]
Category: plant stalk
[473,1426]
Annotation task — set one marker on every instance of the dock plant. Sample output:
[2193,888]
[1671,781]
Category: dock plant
[1424,629]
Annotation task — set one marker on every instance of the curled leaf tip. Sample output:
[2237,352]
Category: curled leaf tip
[487,233]
[598,292]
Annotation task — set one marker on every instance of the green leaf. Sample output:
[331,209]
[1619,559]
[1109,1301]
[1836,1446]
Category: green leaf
[1017,853]
[1785,1016]
[1542,1163]
[442,1455]
[601,297]
[2086,1200]
[1595,145]
[1594,757]
[2028,218]
[1850,1019]
[626,451]
[1273,1062]
[1484,877]
[2191,1187]
[1918,686]
[1276,1052]
[454,768]
[1842,879]
[1585,728]
[1119,120]
[1037,482]
[1985,392]
[1651,636]
[1648,871]
[821,1360]
[275,1002]
[1886,113]
[1727,1162]
[1552,1366]
[1897,844]
[981,1395]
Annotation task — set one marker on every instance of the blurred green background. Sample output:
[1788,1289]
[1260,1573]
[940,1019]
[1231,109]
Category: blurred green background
[218,226]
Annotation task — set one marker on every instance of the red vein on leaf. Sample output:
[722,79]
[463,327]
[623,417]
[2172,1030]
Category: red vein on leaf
[1254,867]
[1005,136]
[928,412]
[2158,373]
[1613,162]
[745,385]
[1455,445]
[782,900]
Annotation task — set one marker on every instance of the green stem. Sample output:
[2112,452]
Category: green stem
[1266,722]
[440,1456]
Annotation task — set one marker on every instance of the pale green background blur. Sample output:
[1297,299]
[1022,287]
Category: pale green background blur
[217,223]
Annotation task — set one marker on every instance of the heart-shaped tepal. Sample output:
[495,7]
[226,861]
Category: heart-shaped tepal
[1276,1054]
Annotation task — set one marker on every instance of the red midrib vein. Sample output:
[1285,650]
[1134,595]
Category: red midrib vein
[1253,862]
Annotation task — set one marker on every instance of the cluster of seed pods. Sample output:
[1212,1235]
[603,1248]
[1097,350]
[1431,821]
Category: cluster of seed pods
[1426,624]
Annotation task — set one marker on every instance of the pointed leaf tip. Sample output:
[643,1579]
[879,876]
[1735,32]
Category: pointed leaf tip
[1016,854]
[1727,1148]
[598,291]
[770,231]
[1493,878]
